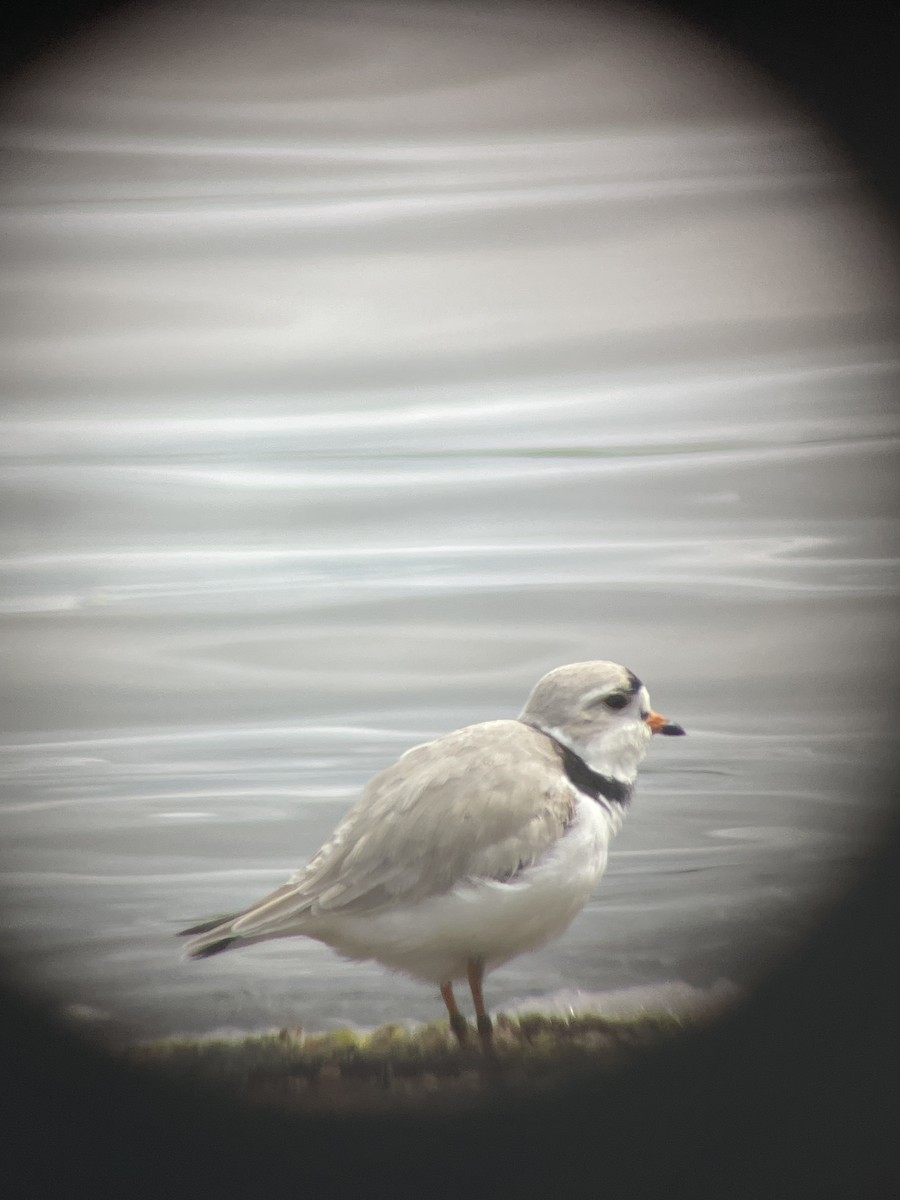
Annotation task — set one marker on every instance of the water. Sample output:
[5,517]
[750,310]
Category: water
[360,376]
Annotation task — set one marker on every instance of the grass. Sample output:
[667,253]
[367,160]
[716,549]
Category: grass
[396,1066]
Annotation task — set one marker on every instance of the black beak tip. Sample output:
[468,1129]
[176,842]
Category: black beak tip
[673,730]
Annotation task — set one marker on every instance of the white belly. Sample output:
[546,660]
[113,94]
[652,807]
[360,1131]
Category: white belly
[435,939]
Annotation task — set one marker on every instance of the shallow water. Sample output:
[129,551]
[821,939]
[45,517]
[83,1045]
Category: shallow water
[345,402]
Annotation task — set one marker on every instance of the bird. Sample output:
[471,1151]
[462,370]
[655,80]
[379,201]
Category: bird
[473,848]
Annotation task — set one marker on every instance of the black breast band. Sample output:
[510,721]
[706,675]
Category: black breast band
[591,783]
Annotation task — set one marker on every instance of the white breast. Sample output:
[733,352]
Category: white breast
[435,939]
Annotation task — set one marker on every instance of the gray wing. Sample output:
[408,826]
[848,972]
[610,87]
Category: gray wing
[482,802]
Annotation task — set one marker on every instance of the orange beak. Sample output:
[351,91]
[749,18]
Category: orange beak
[661,724]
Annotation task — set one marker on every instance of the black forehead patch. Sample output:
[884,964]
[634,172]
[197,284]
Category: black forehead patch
[634,684]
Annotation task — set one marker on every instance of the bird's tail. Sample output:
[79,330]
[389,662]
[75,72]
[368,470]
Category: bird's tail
[211,937]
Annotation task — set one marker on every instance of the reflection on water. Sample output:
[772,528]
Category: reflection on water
[360,377]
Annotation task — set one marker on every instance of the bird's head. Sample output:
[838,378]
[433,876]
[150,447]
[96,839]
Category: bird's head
[601,711]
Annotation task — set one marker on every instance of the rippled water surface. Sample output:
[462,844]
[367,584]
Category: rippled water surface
[359,377]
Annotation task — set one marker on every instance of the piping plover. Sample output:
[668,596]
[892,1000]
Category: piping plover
[473,848]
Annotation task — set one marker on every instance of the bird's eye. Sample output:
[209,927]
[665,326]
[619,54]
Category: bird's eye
[616,700]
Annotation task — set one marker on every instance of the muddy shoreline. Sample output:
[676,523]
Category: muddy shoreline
[395,1066]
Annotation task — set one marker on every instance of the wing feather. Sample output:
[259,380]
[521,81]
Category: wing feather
[480,803]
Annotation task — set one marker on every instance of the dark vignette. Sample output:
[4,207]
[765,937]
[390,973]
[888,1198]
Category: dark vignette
[796,1094]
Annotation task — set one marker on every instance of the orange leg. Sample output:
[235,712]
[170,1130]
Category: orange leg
[485,1028]
[457,1021]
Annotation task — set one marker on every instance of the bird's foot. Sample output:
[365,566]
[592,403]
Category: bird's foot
[460,1027]
[486,1033]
